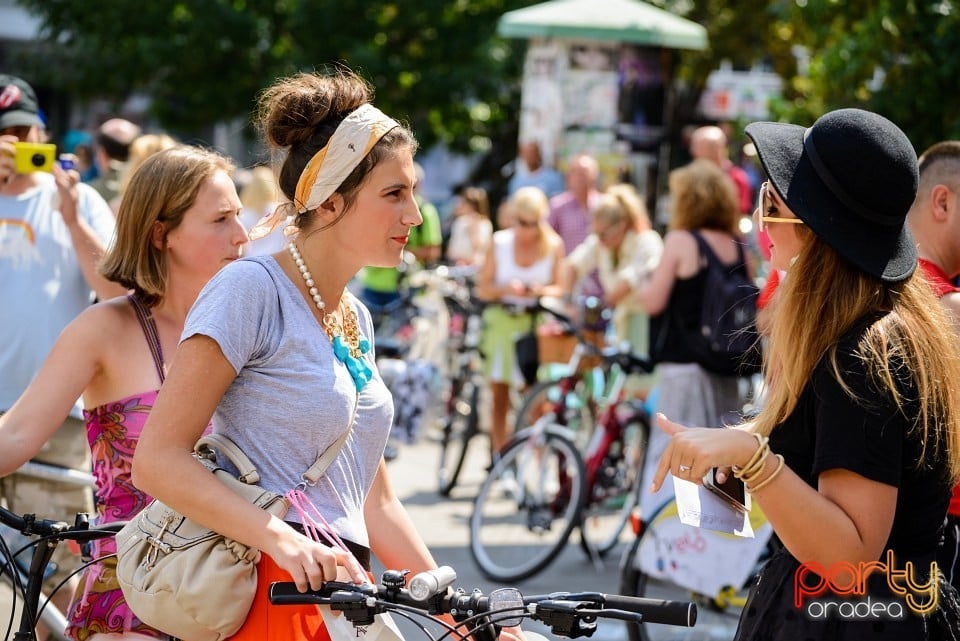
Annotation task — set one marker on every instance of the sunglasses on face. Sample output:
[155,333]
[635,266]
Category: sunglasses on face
[610,231]
[762,219]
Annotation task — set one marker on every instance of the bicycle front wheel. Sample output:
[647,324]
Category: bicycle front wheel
[615,491]
[527,506]
[458,428]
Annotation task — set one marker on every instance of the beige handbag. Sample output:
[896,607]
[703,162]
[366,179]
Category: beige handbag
[185,579]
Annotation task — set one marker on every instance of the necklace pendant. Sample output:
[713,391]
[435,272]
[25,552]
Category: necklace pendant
[359,370]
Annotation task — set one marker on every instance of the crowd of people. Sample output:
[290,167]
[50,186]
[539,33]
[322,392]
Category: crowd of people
[225,305]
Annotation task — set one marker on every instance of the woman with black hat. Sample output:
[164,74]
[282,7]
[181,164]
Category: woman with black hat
[853,454]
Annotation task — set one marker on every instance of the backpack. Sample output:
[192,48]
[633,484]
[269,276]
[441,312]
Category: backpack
[728,342]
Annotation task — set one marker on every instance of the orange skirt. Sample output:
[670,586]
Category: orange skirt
[268,622]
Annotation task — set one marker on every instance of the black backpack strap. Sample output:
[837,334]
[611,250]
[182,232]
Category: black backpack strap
[711,256]
[705,249]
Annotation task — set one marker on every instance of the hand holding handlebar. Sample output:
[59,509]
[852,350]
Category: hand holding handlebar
[571,614]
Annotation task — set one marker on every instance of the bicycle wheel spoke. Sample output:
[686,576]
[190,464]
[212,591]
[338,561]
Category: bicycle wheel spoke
[526,508]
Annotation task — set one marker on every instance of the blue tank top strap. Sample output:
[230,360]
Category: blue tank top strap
[149,327]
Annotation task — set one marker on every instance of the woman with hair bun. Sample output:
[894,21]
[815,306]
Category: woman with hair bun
[280,354]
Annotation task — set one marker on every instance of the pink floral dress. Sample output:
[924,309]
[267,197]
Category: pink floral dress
[113,430]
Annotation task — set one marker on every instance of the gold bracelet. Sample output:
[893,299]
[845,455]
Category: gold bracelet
[751,475]
[770,478]
[755,464]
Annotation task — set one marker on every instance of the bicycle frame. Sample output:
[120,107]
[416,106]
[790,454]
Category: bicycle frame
[13,573]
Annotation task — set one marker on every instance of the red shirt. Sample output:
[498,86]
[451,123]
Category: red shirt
[941,284]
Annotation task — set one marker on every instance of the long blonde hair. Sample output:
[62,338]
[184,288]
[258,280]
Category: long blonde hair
[823,297]
[622,202]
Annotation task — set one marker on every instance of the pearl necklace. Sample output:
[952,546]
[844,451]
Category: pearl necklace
[308,278]
[349,345]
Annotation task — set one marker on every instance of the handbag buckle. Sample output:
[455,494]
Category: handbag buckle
[160,545]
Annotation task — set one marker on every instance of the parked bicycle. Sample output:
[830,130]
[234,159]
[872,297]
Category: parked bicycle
[669,559]
[461,417]
[15,567]
[543,486]
[572,375]
[568,614]
[45,535]
[410,349]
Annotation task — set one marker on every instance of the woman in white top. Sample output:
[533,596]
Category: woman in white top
[624,249]
[471,230]
[522,264]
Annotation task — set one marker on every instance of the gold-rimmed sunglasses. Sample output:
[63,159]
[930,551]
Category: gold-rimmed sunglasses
[761,219]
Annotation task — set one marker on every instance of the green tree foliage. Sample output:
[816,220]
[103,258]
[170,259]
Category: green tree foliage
[895,57]
[436,63]
[440,65]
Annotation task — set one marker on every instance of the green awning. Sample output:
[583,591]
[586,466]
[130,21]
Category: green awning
[617,20]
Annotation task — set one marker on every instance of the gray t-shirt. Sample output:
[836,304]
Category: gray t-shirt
[292,398]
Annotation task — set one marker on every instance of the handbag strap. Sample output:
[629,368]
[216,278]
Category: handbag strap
[224,446]
[315,471]
[247,470]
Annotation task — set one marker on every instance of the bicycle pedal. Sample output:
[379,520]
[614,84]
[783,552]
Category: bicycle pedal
[539,520]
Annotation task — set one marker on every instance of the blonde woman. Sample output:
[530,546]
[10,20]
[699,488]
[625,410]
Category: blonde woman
[522,264]
[855,450]
[624,249]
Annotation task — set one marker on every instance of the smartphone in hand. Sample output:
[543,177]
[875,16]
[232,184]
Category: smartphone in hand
[733,490]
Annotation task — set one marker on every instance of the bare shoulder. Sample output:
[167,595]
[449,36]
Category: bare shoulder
[678,245]
[107,321]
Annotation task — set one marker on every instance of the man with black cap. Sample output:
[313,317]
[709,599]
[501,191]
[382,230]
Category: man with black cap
[53,232]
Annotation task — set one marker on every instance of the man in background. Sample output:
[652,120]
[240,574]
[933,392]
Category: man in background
[711,143]
[531,171]
[54,231]
[571,211]
[934,221]
[113,150]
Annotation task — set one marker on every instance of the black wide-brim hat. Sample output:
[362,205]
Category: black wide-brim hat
[851,177]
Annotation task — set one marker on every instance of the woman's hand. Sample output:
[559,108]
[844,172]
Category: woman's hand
[67,181]
[513,633]
[693,451]
[7,167]
[309,563]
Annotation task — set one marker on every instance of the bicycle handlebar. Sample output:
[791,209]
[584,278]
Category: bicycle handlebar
[570,614]
[30,525]
[622,356]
